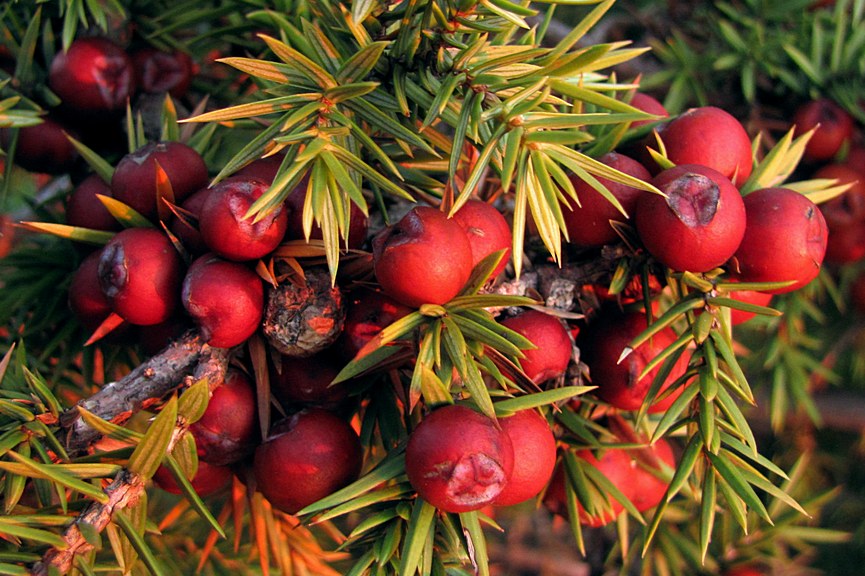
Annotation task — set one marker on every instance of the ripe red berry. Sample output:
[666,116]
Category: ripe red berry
[225,299]
[228,430]
[601,345]
[588,224]
[700,223]
[140,272]
[710,137]
[209,479]
[93,76]
[751,297]
[424,258]
[157,71]
[458,460]
[134,180]
[534,456]
[845,215]
[86,299]
[487,232]
[368,312]
[84,209]
[785,239]
[308,456]
[553,350]
[226,229]
[307,381]
[833,124]
[42,148]
[646,103]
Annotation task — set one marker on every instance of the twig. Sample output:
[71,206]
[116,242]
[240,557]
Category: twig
[145,385]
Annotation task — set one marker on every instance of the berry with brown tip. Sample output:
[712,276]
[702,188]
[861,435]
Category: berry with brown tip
[700,223]
[458,460]
[140,273]
[93,76]
[425,258]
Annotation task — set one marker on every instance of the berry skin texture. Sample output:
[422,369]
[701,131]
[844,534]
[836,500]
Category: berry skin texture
[209,479]
[228,430]
[646,103]
[140,272]
[710,137]
[534,456]
[368,312]
[224,298]
[487,232]
[157,71]
[42,148]
[134,180]
[458,460]
[834,127]
[224,228]
[85,210]
[425,258]
[785,239]
[601,345]
[93,76]
[308,456]
[588,224]
[698,226]
[307,381]
[86,299]
[845,215]
[553,350]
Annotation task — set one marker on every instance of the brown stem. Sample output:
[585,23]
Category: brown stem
[123,492]
[146,385]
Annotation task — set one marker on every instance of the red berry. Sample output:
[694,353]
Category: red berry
[85,210]
[228,430]
[86,299]
[424,258]
[93,76]
[42,148]
[833,124]
[308,456]
[208,480]
[368,312]
[589,223]
[534,456]
[134,180]
[646,103]
[307,381]
[751,297]
[785,239]
[710,137]
[458,460]
[226,300]
[487,232]
[226,229]
[601,345]
[845,215]
[553,350]
[140,272]
[700,223]
[157,71]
